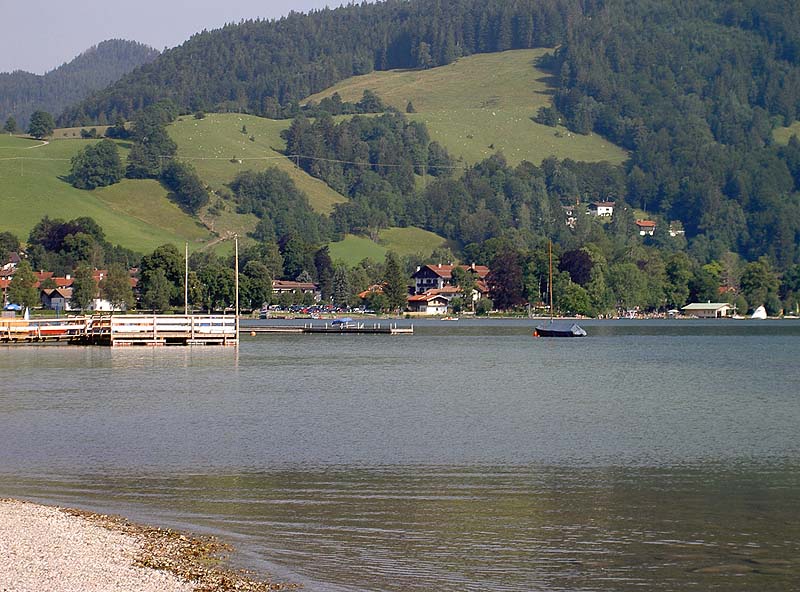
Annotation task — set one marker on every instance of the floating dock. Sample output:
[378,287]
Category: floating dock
[332,329]
[123,330]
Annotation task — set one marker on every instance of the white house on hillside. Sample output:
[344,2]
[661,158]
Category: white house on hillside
[602,208]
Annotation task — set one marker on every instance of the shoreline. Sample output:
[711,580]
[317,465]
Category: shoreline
[54,549]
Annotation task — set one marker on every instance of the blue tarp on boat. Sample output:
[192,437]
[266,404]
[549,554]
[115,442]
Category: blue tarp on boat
[559,329]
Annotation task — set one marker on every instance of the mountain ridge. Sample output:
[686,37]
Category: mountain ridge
[22,93]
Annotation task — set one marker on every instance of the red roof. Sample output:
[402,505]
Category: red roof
[426,297]
[645,224]
[373,289]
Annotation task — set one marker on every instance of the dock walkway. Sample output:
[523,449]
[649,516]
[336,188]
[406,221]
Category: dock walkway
[331,329]
[123,330]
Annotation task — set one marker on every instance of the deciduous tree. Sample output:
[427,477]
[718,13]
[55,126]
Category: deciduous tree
[116,287]
[157,290]
[98,165]
[505,280]
[41,124]
[22,289]
[84,288]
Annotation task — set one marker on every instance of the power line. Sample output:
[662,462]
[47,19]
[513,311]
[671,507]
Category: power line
[292,157]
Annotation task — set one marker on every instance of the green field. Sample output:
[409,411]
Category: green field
[134,214]
[212,143]
[403,241]
[482,104]
[782,134]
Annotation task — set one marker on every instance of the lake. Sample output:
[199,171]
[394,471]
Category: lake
[655,455]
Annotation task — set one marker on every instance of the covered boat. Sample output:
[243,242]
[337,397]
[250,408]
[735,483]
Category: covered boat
[559,329]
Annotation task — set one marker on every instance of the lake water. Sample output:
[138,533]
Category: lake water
[659,455]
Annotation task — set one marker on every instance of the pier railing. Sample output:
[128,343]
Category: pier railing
[118,330]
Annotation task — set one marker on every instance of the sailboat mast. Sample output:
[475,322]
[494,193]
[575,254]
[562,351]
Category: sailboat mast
[550,283]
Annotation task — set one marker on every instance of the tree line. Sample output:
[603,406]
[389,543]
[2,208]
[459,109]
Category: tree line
[263,67]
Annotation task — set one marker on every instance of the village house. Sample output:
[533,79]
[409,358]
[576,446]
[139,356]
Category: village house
[290,287]
[57,299]
[646,227]
[10,264]
[675,230]
[58,295]
[570,215]
[428,303]
[437,277]
[434,288]
[602,208]
[373,289]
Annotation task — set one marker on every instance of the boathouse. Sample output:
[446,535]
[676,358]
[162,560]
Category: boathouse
[708,310]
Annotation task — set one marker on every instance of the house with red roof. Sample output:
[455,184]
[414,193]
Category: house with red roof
[436,277]
[646,227]
[429,303]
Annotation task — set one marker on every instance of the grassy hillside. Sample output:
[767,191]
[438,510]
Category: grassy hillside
[482,104]
[403,241]
[782,134]
[135,214]
[212,143]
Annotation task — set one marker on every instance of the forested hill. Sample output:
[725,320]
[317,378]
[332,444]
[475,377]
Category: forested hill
[258,66]
[22,93]
[694,90]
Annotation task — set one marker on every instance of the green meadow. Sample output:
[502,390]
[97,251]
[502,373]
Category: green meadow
[783,134]
[218,149]
[403,241]
[480,105]
[134,214]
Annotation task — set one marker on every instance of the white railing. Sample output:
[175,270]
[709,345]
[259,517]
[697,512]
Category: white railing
[171,325]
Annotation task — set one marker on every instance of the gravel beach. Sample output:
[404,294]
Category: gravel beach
[49,549]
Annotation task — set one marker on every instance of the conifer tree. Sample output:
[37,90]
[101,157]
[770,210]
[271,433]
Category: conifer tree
[10,126]
[395,286]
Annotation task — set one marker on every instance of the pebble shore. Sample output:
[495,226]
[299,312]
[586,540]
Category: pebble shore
[50,549]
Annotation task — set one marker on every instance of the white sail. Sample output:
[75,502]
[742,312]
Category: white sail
[759,313]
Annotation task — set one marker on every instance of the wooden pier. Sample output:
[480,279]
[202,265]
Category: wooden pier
[123,330]
[332,329]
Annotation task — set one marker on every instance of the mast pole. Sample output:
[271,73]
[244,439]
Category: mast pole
[186,280]
[550,283]
[236,283]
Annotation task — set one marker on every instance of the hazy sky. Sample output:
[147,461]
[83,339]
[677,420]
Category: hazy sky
[40,35]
